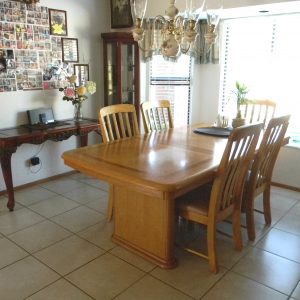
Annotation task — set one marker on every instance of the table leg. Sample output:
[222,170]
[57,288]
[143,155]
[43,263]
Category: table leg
[5,159]
[145,224]
[83,140]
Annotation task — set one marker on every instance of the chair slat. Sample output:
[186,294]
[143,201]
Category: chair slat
[123,131]
[116,127]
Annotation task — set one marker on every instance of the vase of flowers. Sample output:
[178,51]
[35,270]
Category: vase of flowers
[77,112]
[77,94]
[240,93]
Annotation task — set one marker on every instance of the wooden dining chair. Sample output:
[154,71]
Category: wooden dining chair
[260,175]
[117,122]
[213,203]
[257,111]
[157,115]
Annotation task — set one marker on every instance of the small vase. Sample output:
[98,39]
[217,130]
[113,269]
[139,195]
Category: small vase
[77,112]
[237,122]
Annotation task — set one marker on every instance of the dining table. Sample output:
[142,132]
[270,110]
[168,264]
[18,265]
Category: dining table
[146,174]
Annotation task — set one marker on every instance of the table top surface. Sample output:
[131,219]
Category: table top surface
[24,130]
[167,161]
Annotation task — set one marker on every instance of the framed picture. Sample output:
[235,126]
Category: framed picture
[121,14]
[69,50]
[82,73]
[58,22]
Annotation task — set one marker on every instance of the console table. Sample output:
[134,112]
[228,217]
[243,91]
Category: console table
[11,138]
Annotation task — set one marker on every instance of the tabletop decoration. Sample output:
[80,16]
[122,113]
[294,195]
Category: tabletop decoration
[77,94]
[240,93]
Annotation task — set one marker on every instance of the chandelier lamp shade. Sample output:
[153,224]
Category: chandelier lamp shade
[176,32]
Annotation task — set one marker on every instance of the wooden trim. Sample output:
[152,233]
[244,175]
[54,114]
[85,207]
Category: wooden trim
[33,183]
[285,186]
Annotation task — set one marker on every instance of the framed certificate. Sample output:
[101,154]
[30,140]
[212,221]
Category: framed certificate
[69,50]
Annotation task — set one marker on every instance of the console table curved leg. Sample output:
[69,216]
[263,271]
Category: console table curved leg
[6,171]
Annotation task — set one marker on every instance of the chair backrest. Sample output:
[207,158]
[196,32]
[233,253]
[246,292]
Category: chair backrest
[228,185]
[263,165]
[118,121]
[157,115]
[257,111]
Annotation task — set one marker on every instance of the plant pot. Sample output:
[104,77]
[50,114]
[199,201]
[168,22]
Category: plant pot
[237,122]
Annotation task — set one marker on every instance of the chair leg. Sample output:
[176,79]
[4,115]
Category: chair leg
[236,228]
[212,251]
[110,207]
[250,218]
[267,205]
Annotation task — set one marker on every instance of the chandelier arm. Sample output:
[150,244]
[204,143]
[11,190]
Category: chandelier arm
[179,19]
[160,18]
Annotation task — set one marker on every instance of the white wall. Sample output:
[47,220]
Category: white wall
[86,20]
[286,169]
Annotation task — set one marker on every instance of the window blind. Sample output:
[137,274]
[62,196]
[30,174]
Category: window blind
[171,81]
[264,54]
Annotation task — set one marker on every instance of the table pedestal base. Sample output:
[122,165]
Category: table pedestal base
[145,223]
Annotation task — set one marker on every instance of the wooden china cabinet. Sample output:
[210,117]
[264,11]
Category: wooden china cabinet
[121,69]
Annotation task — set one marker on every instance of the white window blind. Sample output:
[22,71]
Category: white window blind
[264,54]
[171,81]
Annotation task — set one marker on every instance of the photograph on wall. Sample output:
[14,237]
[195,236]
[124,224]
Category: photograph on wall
[69,50]
[3,63]
[58,22]
[121,14]
[82,73]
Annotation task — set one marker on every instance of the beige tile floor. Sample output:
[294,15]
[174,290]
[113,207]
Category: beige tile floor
[57,245]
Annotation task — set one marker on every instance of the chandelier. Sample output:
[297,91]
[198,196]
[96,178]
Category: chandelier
[178,31]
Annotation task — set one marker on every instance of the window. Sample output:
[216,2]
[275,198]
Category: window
[171,81]
[264,54]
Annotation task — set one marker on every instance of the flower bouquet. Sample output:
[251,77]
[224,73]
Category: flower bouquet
[77,94]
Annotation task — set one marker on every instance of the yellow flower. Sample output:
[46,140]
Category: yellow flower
[91,87]
[73,79]
[57,28]
[81,90]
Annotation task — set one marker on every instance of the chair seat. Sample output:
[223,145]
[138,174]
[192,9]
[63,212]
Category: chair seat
[196,201]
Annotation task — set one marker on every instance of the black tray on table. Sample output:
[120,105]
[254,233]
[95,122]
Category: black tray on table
[215,131]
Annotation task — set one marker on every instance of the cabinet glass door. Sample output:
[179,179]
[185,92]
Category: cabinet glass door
[112,81]
[127,73]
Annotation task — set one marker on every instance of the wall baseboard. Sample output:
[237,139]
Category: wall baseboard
[285,186]
[23,186]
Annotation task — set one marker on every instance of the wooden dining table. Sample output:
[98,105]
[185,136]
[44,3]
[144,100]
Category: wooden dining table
[147,173]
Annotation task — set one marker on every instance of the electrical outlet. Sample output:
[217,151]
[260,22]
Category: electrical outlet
[34,161]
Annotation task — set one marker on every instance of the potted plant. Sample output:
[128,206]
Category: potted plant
[240,93]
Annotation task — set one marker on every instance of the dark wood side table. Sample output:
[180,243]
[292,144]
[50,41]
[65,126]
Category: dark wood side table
[11,138]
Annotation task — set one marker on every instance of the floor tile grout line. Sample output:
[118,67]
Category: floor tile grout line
[291,294]
[260,283]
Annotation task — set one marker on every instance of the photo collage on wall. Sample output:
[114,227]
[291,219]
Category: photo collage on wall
[30,54]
